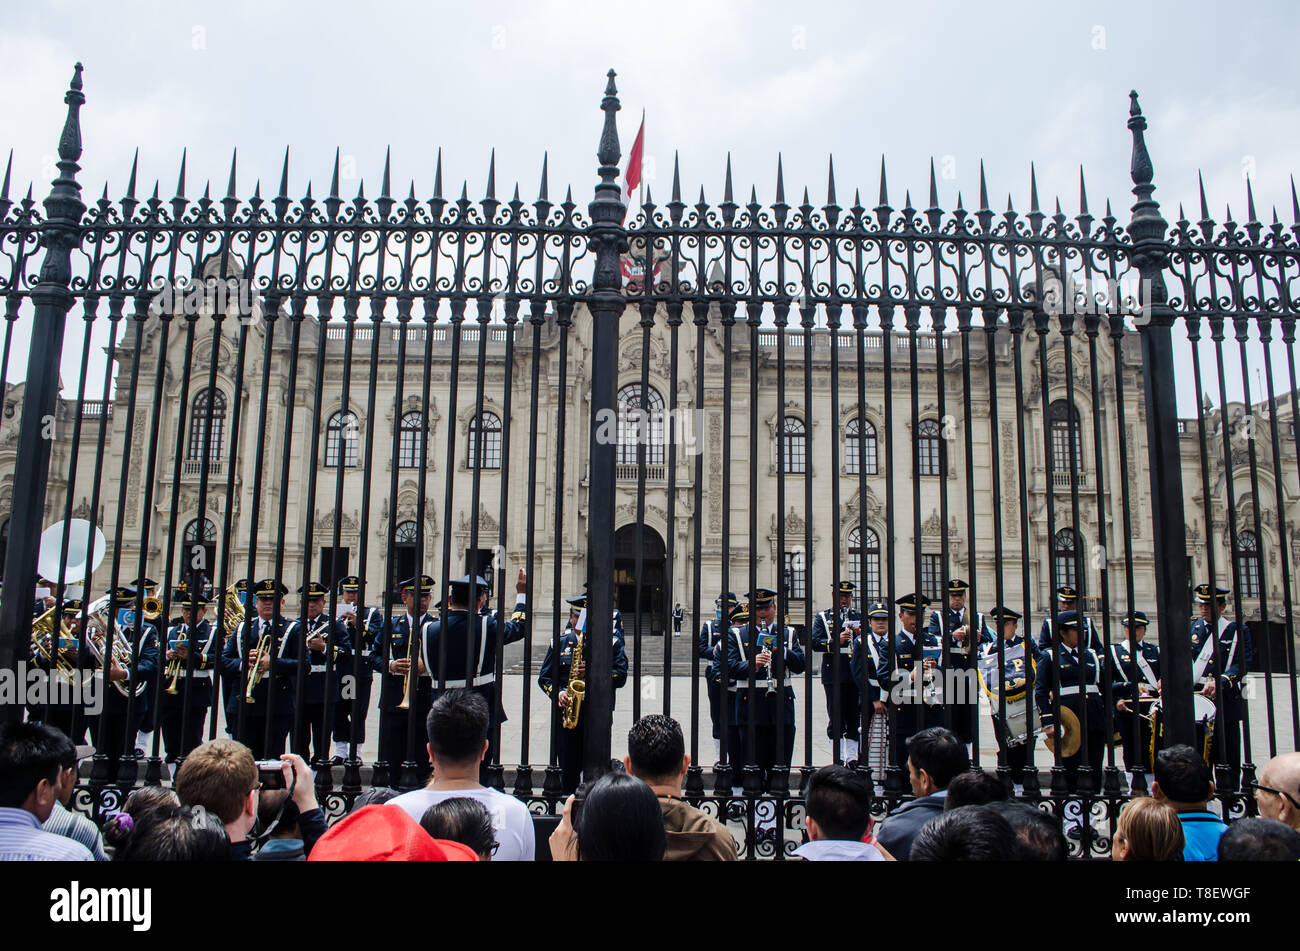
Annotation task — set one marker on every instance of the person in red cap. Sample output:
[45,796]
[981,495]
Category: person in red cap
[380,834]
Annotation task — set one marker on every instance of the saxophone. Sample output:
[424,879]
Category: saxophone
[577,689]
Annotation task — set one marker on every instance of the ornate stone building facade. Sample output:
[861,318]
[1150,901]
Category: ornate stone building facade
[821,463]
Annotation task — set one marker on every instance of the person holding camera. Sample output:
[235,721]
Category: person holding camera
[222,777]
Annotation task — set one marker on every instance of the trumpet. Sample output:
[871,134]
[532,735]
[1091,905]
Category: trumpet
[174,667]
[255,669]
[406,681]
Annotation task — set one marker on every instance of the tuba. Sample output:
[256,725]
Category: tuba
[97,629]
[232,611]
[45,644]
[577,689]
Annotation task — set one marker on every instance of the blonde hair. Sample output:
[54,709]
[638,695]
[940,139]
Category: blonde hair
[1152,831]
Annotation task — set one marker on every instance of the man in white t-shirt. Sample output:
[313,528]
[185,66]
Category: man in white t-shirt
[458,740]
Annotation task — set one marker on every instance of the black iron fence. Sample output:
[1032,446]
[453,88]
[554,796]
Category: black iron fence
[698,399]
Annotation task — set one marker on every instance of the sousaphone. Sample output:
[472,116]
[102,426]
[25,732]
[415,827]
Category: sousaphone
[1069,731]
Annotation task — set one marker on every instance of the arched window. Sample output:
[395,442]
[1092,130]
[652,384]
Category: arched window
[208,415]
[485,441]
[403,564]
[640,422]
[871,551]
[410,441]
[794,458]
[341,437]
[927,438]
[1063,419]
[859,434]
[199,555]
[1247,555]
[1067,560]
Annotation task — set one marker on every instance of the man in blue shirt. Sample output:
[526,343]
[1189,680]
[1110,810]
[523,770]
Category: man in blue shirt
[29,787]
[1183,780]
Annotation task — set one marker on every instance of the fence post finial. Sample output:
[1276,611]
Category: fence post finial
[51,299]
[1149,255]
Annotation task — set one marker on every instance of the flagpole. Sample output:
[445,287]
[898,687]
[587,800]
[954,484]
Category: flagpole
[640,185]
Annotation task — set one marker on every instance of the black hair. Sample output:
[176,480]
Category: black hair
[29,752]
[458,725]
[1182,774]
[277,802]
[143,799]
[656,747]
[968,834]
[621,822]
[839,800]
[940,753]
[374,796]
[975,787]
[1038,834]
[1259,840]
[175,834]
[461,819]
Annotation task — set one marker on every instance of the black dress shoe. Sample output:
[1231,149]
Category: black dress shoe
[336,761]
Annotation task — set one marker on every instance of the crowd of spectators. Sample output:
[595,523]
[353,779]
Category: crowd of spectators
[221,807]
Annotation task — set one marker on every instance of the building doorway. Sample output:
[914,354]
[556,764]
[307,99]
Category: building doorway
[645,598]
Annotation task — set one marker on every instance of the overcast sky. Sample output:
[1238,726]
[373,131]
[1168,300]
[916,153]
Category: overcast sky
[957,82]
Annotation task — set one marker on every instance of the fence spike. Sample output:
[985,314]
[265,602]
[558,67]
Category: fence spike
[334,178]
[830,181]
[515,199]
[437,176]
[1033,189]
[385,185]
[677,179]
[1250,204]
[9,167]
[780,180]
[180,180]
[284,176]
[230,182]
[884,191]
[1295,205]
[934,187]
[492,176]
[726,188]
[984,189]
[1083,194]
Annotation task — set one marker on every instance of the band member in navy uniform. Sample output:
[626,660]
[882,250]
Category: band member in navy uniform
[190,658]
[273,695]
[915,707]
[712,635]
[842,716]
[1142,669]
[364,626]
[399,650]
[754,649]
[1230,652]
[867,662]
[112,732]
[557,674]
[1079,670]
[230,680]
[473,643]
[325,638]
[59,712]
[1015,680]
[1067,599]
[964,640]
[144,738]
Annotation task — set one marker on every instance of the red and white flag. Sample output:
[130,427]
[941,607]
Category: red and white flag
[632,171]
